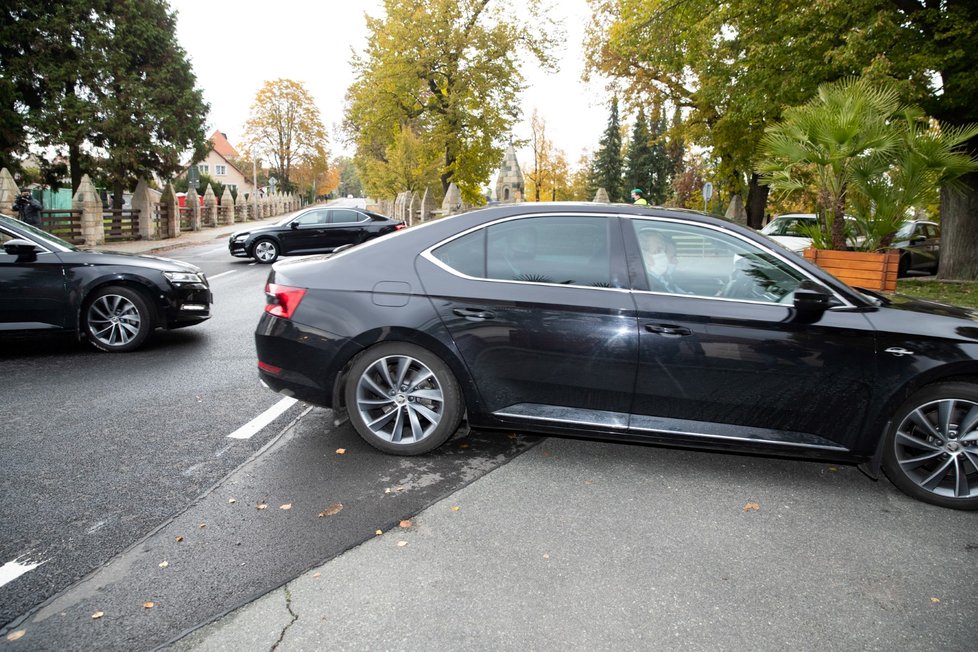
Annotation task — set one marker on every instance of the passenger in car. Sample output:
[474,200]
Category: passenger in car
[659,253]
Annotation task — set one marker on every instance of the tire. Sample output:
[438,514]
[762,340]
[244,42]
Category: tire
[265,251]
[931,449]
[117,319]
[403,399]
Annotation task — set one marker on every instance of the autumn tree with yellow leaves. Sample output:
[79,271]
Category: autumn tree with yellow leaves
[285,128]
[438,88]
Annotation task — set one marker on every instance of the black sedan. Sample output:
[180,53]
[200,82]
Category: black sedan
[314,230]
[114,300]
[627,323]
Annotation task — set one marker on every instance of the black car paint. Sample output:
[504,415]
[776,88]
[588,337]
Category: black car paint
[294,239]
[829,404]
[48,291]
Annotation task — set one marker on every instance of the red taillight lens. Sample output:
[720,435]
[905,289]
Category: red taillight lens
[270,368]
[282,300]
[400,226]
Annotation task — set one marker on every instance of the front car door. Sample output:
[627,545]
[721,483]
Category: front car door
[33,292]
[307,233]
[538,308]
[721,357]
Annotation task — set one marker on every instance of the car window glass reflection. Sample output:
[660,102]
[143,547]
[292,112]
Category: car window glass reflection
[312,217]
[346,217]
[689,260]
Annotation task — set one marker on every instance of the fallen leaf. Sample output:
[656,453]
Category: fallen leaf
[261,506]
[97,615]
[751,507]
[316,574]
[333,509]
[455,508]
[401,544]
[179,538]
[13,636]
[513,435]
[588,482]
[463,445]
[164,564]
[935,600]
[232,500]
[547,453]
[341,451]
[546,556]
[286,506]
[405,524]
[379,532]
[203,525]
[148,605]
[833,469]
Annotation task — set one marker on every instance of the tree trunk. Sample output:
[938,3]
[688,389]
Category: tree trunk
[74,165]
[756,202]
[118,189]
[959,232]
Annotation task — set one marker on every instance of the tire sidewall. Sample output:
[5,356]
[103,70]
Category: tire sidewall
[957,390]
[146,318]
[254,248]
[451,416]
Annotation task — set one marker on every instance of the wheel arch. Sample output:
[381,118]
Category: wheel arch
[131,281]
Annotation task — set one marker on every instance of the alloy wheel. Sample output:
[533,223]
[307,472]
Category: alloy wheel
[936,447]
[114,320]
[400,399]
[266,251]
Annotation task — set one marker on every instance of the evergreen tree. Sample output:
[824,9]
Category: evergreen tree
[662,166]
[607,172]
[639,164]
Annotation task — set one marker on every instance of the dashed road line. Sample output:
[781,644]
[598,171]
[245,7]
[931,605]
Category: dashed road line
[254,426]
[230,271]
[14,569]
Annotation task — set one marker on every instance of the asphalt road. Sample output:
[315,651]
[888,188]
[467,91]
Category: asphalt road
[109,458]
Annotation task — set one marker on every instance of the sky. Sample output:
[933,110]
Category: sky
[236,45]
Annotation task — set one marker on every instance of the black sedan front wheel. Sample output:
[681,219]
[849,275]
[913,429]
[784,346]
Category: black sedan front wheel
[403,399]
[265,251]
[931,449]
[118,319]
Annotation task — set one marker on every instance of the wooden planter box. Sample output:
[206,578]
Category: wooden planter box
[870,270]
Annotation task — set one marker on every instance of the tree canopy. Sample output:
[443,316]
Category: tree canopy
[446,73]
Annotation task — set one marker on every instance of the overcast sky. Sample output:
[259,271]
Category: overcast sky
[237,45]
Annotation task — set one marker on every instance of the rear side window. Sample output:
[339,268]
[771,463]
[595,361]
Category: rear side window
[345,216]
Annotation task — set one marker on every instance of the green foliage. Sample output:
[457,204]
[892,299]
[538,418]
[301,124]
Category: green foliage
[447,72]
[350,183]
[607,167]
[182,184]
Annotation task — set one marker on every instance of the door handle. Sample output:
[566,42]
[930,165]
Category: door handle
[668,329]
[473,314]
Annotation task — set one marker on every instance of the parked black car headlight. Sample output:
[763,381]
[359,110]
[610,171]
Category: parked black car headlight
[181,278]
[239,237]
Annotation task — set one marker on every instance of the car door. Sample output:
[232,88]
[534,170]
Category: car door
[721,358]
[33,292]
[538,309]
[346,227]
[307,233]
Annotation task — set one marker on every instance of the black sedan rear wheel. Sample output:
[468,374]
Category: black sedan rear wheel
[118,319]
[265,251]
[931,449]
[403,399]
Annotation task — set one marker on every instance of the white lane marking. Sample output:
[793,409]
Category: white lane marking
[211,278]
[250,429]
[214,251]
[14,569]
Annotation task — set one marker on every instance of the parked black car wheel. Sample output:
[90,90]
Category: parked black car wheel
[118,319]
[265,251]
[931,450]
[403,399]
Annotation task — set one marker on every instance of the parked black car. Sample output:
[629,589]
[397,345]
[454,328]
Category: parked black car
[627,323]
[314,230]
[114,300]
[919,243]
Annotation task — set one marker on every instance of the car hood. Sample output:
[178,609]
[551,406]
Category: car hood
[268,228]
[899,313]
[126,259]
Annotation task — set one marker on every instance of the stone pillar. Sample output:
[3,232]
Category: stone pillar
[601,197]
[227,204]
[736,211]
[240,208]
[171,207]
[144,202]
[427,206]
[266,206]
[87,200]
[414,210]
[8,192]
[210,207]
[453,200]
[192,204]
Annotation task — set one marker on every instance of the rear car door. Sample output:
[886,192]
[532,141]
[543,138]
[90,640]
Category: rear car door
[538,308]
[346,226]
[722,358]
[33,293]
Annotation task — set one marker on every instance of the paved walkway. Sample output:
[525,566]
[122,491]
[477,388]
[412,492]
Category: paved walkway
[205,235]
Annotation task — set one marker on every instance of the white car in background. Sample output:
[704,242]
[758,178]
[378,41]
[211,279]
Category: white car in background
[791,231]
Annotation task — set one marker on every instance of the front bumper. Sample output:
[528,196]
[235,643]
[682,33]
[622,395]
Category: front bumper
[238,248]
[186,306]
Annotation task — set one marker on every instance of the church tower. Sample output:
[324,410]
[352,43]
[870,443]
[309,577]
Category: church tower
[509,183]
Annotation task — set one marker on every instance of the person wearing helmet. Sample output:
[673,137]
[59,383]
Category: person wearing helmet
[638,197]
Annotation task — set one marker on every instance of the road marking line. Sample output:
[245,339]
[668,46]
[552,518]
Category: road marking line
[214,251]
[211,278]
[252,428]
[14,569]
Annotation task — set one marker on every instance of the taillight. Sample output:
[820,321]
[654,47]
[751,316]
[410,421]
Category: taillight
[400,226]
[282,300]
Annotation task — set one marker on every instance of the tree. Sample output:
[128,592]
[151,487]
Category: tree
[448,72]
[638,160]
[285,127]
[99,80]
[349,178]
[547,179]
[607,166]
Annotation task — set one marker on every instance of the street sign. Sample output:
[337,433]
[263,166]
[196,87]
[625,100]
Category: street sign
[707,191]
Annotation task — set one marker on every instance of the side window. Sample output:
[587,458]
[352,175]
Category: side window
[559,250]
[312,217]
[697,261]
[345,217]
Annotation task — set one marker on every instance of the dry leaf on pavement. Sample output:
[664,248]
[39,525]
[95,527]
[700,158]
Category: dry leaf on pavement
[751,507]
[341,451]
[401,544]
[179,538]
[148,605]
[97,615]
[13,636]
[164,564]
[286,506]
[935,600]
[379,532]
[455,508]
[405,523]
[261,506]
[333,509]
[232,501]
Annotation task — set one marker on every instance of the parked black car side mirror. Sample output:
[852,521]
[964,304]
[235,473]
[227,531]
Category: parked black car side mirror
[810,303]
[25,250]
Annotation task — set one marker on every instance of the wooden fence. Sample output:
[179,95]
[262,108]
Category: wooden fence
[121,224]
[66,224]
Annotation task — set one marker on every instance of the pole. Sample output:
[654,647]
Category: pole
[254,180]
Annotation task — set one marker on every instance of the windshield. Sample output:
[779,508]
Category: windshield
[45,237]
[788,226]
[904,232]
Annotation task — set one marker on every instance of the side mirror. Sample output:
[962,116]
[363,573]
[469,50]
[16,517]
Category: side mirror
[294,225]
[23,249]
[810,303]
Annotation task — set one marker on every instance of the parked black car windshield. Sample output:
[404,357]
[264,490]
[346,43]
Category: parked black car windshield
[54,241]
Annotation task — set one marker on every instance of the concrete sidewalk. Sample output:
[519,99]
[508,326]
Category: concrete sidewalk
[186,238]
[591,546]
